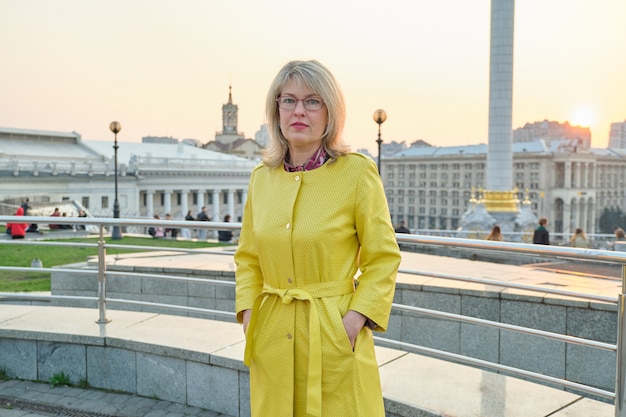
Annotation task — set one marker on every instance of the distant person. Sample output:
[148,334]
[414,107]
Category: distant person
[186,231]
[579,239]
[55,213]
[65,226]
[496,234]
[33,227]
[18,230]
[225,235]
[25,206]
[81,213]
[402,228]
[541,236]
[202,217]
[156,231]
[170,232]
[620,236]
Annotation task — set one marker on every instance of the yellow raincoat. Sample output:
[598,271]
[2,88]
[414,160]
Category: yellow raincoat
[304,236]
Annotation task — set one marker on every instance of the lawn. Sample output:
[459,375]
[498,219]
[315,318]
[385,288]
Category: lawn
[23,255]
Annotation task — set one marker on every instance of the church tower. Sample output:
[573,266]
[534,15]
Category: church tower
[229,133]
[229,115]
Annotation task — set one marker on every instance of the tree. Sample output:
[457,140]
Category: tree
[611,218]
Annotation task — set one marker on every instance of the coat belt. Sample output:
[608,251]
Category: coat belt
[305,293]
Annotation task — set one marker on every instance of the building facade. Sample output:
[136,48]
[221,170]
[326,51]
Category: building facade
[617,135]
[153,178]
[431,187]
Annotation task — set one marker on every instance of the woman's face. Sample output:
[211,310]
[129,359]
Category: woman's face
[302,128]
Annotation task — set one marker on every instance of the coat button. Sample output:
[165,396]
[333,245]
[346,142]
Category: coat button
[297,178]
[289,336]
[289,280]
[288,226]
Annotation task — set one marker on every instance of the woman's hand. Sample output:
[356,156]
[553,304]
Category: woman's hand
[353,322]
[246,319]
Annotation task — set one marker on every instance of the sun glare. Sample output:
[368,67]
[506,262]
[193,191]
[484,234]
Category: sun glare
[582,117]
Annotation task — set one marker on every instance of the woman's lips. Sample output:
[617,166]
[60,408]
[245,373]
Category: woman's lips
[299,126]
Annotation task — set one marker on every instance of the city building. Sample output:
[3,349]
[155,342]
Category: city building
[154,177]
[617,135]
[230,140]
[431,187]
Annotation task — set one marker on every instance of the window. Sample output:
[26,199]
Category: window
[85,202]
[104,202]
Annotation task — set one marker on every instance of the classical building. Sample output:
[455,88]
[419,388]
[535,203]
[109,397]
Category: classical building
[154,177]
[231,141]
[617,135]
[431,187]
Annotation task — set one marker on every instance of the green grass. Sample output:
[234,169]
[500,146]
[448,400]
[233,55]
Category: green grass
[23,255]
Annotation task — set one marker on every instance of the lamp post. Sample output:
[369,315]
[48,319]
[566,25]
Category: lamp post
[379,117]
[116,233]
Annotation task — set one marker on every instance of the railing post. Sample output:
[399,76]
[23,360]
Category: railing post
[102,308]
[620,409]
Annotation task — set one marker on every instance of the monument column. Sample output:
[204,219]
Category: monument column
[499,195]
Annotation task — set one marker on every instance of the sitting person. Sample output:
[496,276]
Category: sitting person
[170,232]
[18,230]
[156,231]
[56,213]
[225,235]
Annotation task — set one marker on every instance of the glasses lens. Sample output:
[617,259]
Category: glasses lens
[313,103]
[286,102]
[289,103]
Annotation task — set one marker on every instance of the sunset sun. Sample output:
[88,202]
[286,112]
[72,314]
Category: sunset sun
[582,117]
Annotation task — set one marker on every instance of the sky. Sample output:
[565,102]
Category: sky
[164,67]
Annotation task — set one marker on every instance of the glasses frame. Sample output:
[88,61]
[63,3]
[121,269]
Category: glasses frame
[303,100]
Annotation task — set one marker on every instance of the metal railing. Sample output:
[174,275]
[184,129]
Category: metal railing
[557,252]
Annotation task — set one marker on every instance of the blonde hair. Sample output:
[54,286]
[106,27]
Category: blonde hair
[319,79]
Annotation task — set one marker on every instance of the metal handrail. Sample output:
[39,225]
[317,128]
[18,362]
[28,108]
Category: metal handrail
[559,252]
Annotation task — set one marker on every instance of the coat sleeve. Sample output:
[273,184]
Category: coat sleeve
[379,252]
[248,277]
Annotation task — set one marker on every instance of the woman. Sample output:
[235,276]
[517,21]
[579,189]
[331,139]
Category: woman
[315,214]
[18,230]
[579,239]
[495,234]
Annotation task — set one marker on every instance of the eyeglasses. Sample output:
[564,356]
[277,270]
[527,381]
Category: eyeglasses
[290,103]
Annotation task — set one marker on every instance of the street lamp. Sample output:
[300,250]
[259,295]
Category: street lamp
[379,117]
[116,234]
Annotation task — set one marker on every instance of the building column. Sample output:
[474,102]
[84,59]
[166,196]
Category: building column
[150,203]
[184,203]
[216,205]
[592,216]
[167,201]
[577,167]
[200,198]
[231,204]
[567,219]
[567,175]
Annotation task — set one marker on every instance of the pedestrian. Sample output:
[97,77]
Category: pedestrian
[225,235]
[541,235]
[18,230]
[495,234]
[170,231]
[619,244]
[579,239]
[202,217]
[81,213]
[315,215]
[186,231]
[402,228]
